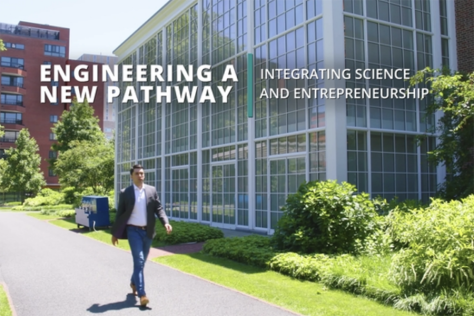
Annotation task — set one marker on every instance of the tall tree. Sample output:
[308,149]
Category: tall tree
[454,96]
[77,124]
[22,171]
[2,46]
[2,162]
[88,164]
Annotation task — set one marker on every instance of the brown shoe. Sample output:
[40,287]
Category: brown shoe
[134,289]
[144,300]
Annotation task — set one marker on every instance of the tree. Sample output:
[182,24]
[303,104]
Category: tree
[2,161]
[2,46]
[22,171]
[77,124]
[454,96]
[88,164]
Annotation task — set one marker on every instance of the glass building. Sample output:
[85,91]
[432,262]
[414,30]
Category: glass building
[232,164]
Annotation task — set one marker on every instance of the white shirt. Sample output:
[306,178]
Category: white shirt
[138,217]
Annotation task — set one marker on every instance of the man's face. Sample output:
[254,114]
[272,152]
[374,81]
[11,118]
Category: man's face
[138,176]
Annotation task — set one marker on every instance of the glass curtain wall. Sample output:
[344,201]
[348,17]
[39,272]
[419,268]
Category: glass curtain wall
[382,153]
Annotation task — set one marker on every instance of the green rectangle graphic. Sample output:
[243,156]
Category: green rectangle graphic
[250,85]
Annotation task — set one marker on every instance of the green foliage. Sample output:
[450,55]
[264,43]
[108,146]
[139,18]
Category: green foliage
[440,252]
[2,48]
[45,197]
[361,275]
[22,171]
[87,164]
[12,203]
[254,250]
[74,195]
[77,124]
[379,242]
[68,193]
[43,207]
[58,213]
[325,217]
[184,232]
[454,96]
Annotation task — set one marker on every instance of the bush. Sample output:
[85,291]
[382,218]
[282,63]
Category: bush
[45,197]
[254,250]
[13,203]
[184,232]
[440,252]
[44,207]
[360,275]
[58,213]
[325,217]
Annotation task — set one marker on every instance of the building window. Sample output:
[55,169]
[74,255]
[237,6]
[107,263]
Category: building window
[15,99]
[11,118]
[54,50]
[51,173]
[53,154]
[52,136]
[12,62]
[390,11]
[53,118]
[14,45]
[12,81]
[9,136]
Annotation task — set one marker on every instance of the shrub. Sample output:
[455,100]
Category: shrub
[184,232]
[254,250]
[13,203]
[58,213]
[44,207]
[325,217]
[45,197]
[440,251]
[66,213]
[380,242]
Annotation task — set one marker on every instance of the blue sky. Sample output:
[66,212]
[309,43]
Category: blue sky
[96,26]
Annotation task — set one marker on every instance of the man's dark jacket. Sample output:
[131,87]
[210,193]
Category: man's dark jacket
[125,208]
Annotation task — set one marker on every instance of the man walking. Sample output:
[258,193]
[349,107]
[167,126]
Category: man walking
[135,221]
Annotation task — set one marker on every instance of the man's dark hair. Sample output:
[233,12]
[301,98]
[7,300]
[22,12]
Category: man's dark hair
[135,167]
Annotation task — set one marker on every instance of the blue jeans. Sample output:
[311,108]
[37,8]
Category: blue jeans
[140,246]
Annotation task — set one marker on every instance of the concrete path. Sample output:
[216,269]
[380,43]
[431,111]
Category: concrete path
[51,271]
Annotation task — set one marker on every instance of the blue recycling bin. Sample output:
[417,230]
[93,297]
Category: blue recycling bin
[93,212]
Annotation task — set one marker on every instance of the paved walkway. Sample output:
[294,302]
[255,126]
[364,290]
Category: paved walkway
[49,271]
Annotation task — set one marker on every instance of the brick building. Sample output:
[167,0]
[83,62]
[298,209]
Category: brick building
[30,45]
[465,34]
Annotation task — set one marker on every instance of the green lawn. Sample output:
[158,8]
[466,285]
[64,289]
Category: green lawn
[4,304]
[307,298]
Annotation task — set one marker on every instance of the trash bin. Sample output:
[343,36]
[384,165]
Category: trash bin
[93,212]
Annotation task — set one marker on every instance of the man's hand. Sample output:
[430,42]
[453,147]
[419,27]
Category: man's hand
[168,228]
[114,241]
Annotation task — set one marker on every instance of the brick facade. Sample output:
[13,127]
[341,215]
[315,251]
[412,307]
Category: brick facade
[26,43]
[465,34]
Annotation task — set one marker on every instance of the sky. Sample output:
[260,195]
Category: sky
[96,26]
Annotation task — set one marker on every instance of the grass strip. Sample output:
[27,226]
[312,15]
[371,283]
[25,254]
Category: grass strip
[307,298]
[103,235]
[5,309]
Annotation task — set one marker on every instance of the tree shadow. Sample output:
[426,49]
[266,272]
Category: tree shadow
[226,263]
[129,302]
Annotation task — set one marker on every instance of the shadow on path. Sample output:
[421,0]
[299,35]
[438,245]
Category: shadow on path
[129,302]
